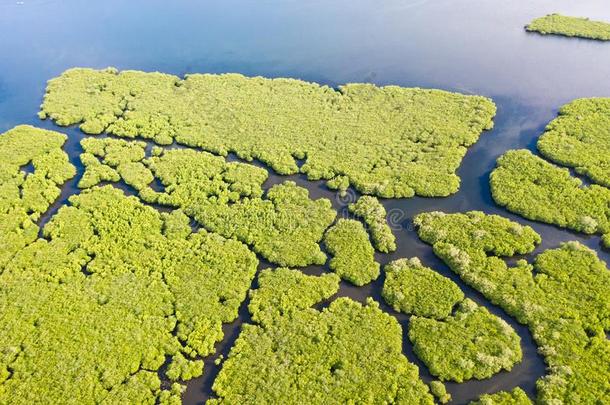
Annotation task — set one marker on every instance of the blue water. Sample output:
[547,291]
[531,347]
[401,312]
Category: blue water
[471,46]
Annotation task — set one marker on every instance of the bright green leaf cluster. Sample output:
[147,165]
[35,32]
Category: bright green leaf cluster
[388,141]
[91,312]
[353,256]
[492,234]
[515,397]
[96,172]
[373,213]
[25,196]
[283,291]
[564,299]
[472,343]
[580,138]
[439,391]
[347,353]
[191,177]
[183,369]
[541,191]
[414,289]
[570,27]
[108,159]
[171,396]
[284,226]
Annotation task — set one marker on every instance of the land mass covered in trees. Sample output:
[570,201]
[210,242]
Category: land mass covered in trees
[456,338]
[558,24]
[283,225]
[346,353]
[114,301]
[536,189]
[563,297]
[117,302]
[112,293]
[374,215]
[386,141]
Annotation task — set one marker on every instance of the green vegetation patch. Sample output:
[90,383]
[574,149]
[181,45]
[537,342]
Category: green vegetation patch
[492,234]
[114,291]
[353,256]
[284,226]
[24,196]
[283,291]
[108,159]
[373,213]
[439,391]
[472,343]
[387,141]
[570,27]
[563,298]
[580,138]
[411,288]
[347,353]
[538,190]
[515,397]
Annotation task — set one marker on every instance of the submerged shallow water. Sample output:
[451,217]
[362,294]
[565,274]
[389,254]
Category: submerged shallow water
[471,46]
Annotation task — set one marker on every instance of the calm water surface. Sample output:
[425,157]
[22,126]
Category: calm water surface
[471,46]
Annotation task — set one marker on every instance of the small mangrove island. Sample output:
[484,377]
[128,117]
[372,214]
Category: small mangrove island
[556,24]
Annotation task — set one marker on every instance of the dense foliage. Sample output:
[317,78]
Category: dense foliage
[108,159]
[580,138]
[283,291]
[347,353]
[564,299]
[24,195]
[113,292]
[438,389]
[284,226]
[493,234]
[388,141]
[514,397]
[353,256]
[541,191]
[472,343]
[373,213]
[116,297]
[414,289]
[570,27]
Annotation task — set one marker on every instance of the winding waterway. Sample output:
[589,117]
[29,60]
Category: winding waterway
[471,46]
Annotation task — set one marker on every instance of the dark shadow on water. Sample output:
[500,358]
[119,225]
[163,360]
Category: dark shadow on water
[157,185]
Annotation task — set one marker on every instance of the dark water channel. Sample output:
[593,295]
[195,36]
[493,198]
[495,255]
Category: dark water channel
[471,46]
